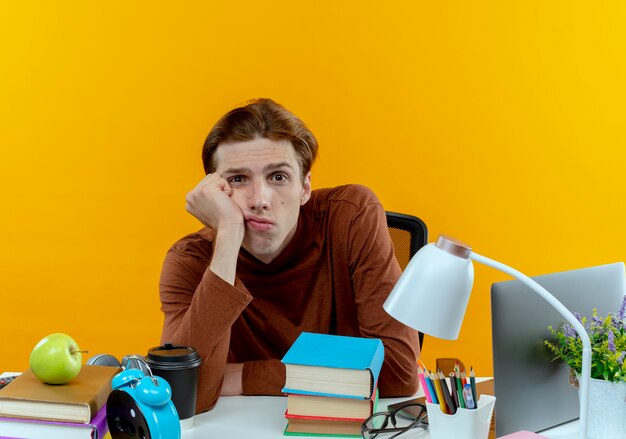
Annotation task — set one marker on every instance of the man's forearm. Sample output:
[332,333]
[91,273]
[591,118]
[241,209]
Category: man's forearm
[233,381]
[225,252]
[201,315]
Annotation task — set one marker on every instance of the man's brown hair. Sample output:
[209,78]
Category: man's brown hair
[261,118]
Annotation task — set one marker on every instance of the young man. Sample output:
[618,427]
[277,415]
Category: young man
[276,259]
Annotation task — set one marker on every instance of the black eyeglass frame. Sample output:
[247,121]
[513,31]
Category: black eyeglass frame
[421,421]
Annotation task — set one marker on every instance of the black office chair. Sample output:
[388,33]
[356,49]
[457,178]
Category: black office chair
[408,234]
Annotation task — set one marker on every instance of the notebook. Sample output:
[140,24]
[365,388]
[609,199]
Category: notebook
[532,391]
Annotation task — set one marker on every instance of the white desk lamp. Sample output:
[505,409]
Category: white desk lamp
[432,294]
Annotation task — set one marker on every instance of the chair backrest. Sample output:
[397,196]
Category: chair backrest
[408,234]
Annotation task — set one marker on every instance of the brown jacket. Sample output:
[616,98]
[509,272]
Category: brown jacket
[332,278]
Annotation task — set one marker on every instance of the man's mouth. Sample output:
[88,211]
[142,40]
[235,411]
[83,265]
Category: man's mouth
[259,224]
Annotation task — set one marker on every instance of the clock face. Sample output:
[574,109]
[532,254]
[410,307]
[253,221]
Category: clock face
[124,417]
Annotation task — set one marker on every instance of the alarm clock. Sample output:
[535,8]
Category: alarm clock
[140,406]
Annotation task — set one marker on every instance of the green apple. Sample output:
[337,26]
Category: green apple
[56,359]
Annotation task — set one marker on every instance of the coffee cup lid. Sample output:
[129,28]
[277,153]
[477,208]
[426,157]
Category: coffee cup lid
[170,356]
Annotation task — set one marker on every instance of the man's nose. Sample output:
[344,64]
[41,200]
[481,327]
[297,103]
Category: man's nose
[259,197]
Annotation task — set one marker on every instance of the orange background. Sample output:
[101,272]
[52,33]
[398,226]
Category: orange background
[499,123]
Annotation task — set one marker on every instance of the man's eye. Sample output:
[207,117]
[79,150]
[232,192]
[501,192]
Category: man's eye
[279,177]
[236,179]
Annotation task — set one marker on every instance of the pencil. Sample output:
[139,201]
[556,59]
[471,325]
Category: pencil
[440,397]
[431,387]
[473,384]
[422,365]
[455,395]
[446,393]
[420,374]
[459,388]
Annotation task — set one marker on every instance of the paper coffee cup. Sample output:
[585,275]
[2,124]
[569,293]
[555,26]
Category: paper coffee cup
[178,365]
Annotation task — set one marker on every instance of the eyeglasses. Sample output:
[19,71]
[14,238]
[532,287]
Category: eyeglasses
[395,422]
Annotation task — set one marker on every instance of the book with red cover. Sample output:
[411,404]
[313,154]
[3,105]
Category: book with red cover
[36,429]
[322,418]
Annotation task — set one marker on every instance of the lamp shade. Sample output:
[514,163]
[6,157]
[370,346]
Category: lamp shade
[432,293]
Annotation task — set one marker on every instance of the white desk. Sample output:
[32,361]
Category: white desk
[262,417]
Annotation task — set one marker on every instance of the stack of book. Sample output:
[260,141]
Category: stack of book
[30,409]
[331,384]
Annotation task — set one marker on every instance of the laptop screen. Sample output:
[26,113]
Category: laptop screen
[532,391]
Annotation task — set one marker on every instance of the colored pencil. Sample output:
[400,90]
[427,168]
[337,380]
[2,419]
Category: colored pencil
[446,393]
[440,397]
[420,374]
[473,384]
[459,388]
[455,395]
[421,364]
[431,387]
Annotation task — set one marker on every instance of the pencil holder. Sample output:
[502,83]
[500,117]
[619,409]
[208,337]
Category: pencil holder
[464,424]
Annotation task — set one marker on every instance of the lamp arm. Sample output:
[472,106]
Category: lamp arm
[582,333]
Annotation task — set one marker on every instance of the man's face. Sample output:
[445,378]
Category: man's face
[267,186]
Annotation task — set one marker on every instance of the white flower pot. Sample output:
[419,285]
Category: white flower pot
[607,410]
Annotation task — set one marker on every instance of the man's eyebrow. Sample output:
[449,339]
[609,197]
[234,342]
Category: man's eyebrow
[272,166]
[242,170]
[245,170]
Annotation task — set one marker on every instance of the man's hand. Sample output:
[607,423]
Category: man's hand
[233,384]
[210,201]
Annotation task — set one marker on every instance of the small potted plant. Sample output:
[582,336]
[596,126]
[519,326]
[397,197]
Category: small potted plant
[607,389]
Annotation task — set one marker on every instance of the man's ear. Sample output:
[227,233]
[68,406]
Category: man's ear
[306,189]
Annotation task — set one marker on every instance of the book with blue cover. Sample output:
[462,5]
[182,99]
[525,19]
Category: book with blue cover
[333,365]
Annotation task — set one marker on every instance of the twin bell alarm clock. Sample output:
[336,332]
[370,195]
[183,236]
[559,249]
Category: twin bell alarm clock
[142,405]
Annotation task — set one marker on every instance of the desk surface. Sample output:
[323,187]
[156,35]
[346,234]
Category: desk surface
[262,417]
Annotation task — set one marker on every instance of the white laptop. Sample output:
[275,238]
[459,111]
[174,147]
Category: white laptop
[532,391]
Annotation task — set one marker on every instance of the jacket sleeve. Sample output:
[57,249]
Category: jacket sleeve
[263,377]
[199,309]
[375,271]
